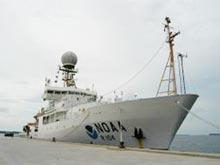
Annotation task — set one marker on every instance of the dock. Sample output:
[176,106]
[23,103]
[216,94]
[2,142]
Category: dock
[24,151]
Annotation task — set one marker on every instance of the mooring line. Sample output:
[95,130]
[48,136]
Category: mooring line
[198,117]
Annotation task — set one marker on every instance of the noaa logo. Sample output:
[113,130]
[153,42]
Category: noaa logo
[91,132]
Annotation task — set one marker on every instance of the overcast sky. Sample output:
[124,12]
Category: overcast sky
[113,39]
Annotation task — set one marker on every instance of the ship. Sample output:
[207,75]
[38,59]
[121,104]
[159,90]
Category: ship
[80,115]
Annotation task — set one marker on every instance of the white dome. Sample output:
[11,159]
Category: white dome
[69,59]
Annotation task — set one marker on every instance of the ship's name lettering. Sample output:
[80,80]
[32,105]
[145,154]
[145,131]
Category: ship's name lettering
[107,137]
[103,127]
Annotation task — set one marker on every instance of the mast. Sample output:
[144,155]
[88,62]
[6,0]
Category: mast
[68,77]
[69,60]
[170,79]
[181,73]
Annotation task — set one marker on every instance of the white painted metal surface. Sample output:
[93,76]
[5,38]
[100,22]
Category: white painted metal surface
[158,118]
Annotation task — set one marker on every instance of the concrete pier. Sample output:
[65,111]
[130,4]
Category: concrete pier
[23,151]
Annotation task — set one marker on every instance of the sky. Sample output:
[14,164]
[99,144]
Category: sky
[113,40]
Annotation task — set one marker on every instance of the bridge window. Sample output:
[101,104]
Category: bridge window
[57,92]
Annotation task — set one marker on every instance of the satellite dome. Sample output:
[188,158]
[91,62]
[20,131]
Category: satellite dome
[69,60]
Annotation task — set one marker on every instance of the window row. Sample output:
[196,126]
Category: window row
[67,92]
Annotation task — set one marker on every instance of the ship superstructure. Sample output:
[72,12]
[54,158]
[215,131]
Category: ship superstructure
[75,114]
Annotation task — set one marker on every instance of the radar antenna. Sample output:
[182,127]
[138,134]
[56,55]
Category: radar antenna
[170,66]
[69,60]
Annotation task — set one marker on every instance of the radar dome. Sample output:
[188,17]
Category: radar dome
[69,60]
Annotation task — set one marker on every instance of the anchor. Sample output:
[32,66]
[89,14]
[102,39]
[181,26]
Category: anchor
[138,134]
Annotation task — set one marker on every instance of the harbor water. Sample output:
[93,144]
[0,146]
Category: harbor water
[196,143]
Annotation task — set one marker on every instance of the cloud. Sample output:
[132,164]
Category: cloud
[113,40]
[4,110]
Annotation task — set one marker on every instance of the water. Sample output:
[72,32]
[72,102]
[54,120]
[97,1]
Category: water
[196,143]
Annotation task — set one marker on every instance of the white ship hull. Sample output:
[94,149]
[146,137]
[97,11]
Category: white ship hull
[158,118]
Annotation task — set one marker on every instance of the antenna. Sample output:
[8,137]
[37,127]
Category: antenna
[47,81]
[181,72]
[69,60]
[170,65]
